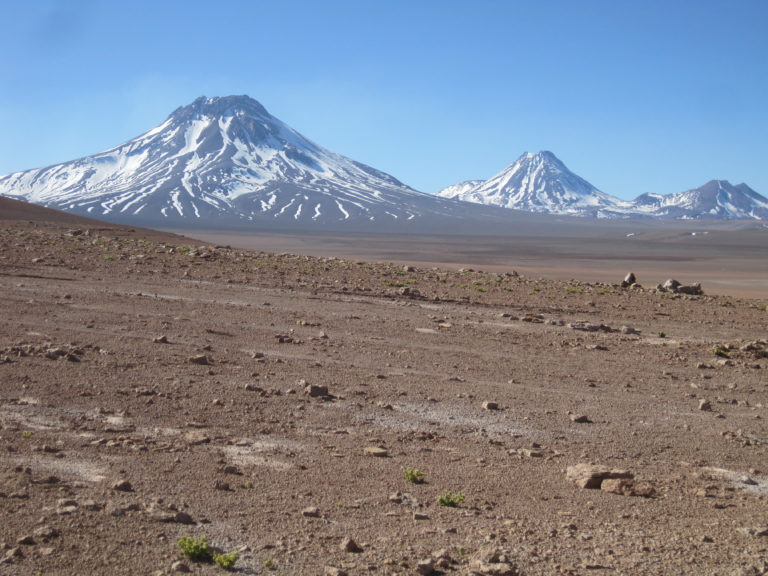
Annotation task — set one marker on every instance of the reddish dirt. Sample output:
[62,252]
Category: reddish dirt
[115,443]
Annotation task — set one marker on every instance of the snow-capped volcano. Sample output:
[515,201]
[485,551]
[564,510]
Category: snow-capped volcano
[716,199]
[537,183]
[222,158]
[542,183]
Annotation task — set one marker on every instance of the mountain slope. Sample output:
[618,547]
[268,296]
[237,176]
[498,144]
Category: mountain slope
[222,160]
[538,183]
[715,199]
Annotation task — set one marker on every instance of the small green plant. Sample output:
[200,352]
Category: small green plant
[662,334]
[194,549]
[394,284]
[726,304]
[575,290]
[451,500]
[536,289]
[225,561]
[269,564]
[414,476]
[461,551]
[720,351]
[248,485]
[26,434]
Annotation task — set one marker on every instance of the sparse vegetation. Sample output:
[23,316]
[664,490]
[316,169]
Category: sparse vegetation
[393,284]
[414,476]
[26,434]
[451,500]
[198,550]
[662,334]
[195,549]
[720,351]
[269,564]
[225,560]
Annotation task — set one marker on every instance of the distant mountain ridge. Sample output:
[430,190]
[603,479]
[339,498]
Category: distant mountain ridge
[225,161]
[542,183]
[220,160]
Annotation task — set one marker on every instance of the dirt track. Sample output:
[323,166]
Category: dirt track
[117,441]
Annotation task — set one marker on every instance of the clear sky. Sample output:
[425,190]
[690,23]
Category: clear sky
[633,95]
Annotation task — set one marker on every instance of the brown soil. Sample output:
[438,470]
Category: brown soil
[116,441]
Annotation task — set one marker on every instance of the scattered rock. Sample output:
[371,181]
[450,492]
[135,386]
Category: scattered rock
[670,285]
[65,506]
[179,566]
[45,532]
[160,340]
[315,391]
[311,512]
[333,571]
[753,532]
[426,566]
[705,405]
[629,279]
[122,486]
[580,419]
[490,405]
[376,451]
[349,545]
[196,437]
[591,476]
[200,359]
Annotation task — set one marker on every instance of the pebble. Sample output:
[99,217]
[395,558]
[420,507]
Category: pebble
[487,405]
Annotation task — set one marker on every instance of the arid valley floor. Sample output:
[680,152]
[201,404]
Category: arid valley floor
[154,387]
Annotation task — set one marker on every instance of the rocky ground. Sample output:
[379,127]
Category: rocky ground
[327,416]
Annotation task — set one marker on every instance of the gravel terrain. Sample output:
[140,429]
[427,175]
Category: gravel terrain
[153,388]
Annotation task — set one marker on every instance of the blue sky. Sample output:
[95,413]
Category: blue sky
[633,95]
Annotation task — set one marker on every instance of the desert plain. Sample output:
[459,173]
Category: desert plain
[342,414]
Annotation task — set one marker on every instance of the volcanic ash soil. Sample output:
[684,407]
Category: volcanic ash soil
[327,416]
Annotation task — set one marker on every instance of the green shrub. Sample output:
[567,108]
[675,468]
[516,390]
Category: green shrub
[662,334]
[720,351]
[414,476]
[195,550]
[226,561]
[451,500]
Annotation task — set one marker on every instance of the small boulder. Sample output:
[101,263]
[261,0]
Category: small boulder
[315,391]
[349,545]
[670,285]
[629,279]
[591,476]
